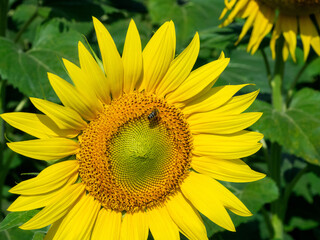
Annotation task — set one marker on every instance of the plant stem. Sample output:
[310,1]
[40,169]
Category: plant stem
[276,82]
[289,188]
[266,62]
[3,16]
[295,81]
[26,25]
[275,159]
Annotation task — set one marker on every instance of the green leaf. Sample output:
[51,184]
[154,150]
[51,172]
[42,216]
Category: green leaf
[16,234]
[39,235]
[246,68]
[308,186]
[188,17]
[254,195]
[28,70]
[297,128]
[16,219]
[301,223]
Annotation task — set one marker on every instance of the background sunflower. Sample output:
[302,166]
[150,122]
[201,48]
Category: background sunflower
[35,35]
[285,18]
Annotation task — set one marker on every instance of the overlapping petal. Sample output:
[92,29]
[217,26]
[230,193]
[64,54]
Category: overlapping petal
[38,125]
[64,117]
[186,217]
[134,226]
[158,220]
[107,226]
[179,68]
[199,191]
[79,222]
[45,149]
[57,209]
[71,97]
[230,170]
[198,80]
[50,179]
[132,59]
[157,56]
[112,61]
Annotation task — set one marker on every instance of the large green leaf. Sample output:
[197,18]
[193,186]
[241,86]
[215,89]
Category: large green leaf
[16,234]
[188,16]
[297,128]
[28,70]
[254,195]
[16,219]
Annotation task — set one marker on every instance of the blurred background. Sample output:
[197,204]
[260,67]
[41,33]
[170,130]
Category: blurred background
[35,35]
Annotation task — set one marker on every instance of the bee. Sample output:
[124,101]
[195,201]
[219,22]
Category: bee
[154,114]
[154,117]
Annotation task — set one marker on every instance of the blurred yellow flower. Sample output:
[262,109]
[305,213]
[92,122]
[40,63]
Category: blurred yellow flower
[287,17]
[141,141]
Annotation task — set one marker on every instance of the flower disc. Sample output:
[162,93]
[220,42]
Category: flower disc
[136,153]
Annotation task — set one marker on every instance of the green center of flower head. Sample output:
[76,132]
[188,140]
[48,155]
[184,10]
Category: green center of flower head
[140,153]
[136,153]
[294,7]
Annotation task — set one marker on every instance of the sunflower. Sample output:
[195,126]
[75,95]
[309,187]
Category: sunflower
[286,17]
[139,144]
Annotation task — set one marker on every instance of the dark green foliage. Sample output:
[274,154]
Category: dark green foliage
[40,33]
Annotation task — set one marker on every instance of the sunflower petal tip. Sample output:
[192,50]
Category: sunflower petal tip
[222,56]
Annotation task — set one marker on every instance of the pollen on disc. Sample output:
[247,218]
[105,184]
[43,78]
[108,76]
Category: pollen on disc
[136,154]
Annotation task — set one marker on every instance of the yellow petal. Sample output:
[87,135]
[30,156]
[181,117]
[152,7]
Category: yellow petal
[37,125]
[235,105]
[228,7]
[213,99]
[161,225]
[186,217]
[53,230]
[132,59]
[289,29]
[98,81]
[112,61]
[239,6]
[315,40]
[285,51]
[306,28]
[238,104]
[81,79]
[45,149]
[29,202]
[49,179]
[64,117]
[232,146]
[198,80]
[197,189]
[26,203]
[57,209]
[228,199]
[71,97]
[275,35]
[78,223]
[232,170]
[251,10]
[134,227]
[107,225]
[263,27]
[179,68]
[222,124]
[157,56]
